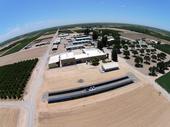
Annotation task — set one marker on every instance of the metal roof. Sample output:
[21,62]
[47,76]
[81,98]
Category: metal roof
[53,59]
[109,66]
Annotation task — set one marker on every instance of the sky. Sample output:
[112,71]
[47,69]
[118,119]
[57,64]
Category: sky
[21,16]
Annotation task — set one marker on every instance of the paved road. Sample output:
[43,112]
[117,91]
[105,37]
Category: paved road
[29,104]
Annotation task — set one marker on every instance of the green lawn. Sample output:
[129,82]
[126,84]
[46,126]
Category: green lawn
[164,81]
[164,48]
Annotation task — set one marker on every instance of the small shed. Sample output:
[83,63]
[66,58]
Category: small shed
[110,66]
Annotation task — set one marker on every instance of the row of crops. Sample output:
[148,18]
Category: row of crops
[14,77]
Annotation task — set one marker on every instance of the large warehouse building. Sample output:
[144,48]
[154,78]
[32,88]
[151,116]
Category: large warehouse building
[69,58]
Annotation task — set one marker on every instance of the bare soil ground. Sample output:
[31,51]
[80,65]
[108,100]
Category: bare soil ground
[141,107]
[22,55]
[135,35]
[68,77]
[8,117]
[45,36]
[138,104]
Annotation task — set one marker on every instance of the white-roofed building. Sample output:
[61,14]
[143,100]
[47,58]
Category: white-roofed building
[57,41]
[72,47]
[89,54]
[77,42]
[54,61]
[92,52]
[110,66]
[67,58]
[70,58]
[110,38]
[84,38]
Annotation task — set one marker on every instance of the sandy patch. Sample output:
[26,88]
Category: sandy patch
[22,55]
[8,117]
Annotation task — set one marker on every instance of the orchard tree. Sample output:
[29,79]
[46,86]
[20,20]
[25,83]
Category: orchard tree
[152,71]
[147,59]
[138,60]
[127,54]
[134,52]
[161,67]
[125,47]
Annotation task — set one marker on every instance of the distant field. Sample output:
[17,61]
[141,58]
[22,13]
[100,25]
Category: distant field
[8,47]
[21,44]
[50,32]
[147,31]
[164,48]
[65,31]
[14,77]
[164,81]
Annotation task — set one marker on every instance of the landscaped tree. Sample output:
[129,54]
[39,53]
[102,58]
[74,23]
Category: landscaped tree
[142,51]
[168,63]
[104,40]
[138,46]
[87,31]
[100,45]
[148,50]
[132,46]
[125,47]
[114,55]
[159,42]
[154,57]
[95,61]
[152,71]
[144,46]
[95,35]
[135,52]
[138,60]
[162,56]
[127,54]
[153,50]
[118,47]
[147,59]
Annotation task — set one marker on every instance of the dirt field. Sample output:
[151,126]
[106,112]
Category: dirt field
[22,55]
[142,107]
[68,77]
[136,105]
[135,35]
[8,117]
[45,36]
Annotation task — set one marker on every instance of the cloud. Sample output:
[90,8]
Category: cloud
[29,27]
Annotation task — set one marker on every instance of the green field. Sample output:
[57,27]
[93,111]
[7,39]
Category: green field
[8,47]
[21,44]
[14,77]
[164,81]
[164,47]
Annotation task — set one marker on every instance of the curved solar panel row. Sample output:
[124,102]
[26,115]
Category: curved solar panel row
[89,90]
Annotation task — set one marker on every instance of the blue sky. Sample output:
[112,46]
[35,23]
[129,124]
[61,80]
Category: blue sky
[21,16]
